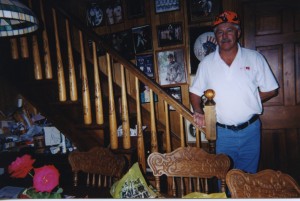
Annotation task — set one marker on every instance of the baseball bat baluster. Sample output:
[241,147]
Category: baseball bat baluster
[24,47]
[154,147]
[168,137]
[37,66]
[47,57]
[125,116]
[71,68]
[140,134]
[86,100]
[98,92]
[14,48]
[60,69]
[112,109]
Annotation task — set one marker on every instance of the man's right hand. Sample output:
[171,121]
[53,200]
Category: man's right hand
[199,119]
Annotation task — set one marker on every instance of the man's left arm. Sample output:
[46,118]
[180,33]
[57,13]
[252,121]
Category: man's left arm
[265,96]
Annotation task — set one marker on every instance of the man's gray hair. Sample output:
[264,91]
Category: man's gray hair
[235,25]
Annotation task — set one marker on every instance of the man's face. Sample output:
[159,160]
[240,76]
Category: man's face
[227,36]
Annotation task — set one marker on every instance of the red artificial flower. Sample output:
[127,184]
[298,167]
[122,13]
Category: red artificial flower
[21,166]
[45,178]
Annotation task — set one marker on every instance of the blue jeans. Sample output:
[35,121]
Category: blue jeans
[242,146]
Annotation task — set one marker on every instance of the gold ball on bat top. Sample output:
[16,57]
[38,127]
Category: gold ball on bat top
[209,94]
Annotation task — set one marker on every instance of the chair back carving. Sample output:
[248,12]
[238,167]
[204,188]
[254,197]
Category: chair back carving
[264,184]
[98,162]
[193,164]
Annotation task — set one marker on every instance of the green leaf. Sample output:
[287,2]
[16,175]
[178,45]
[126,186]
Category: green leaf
[33,194]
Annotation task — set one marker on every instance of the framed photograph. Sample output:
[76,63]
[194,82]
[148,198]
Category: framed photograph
[171,67]
[145,63]
[190,131]
[122,42]
[142,38]
[145,94]
[114,12]
[203,10]
[176,93]
[162,6]
[136,11]
[94,15]
[202,42]
[169,34]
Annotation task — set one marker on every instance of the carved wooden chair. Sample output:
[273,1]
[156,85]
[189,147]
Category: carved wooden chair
[264,184]
[189,169]
[99,167]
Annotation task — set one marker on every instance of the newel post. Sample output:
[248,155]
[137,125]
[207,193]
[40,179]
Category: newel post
[210,119]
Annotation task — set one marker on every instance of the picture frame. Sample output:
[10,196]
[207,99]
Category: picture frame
[171,66]
[136,11]
[142,38]
[202,42]
[94,15]
[175,92]
[145,94]
[169,34]
[114,12]
[190,132]
[162,6]
[190,129]
[122,43]
[145,63]
[203,10]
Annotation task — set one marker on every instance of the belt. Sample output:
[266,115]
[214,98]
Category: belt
[240,126]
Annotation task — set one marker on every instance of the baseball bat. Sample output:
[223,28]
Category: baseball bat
[24,47]
[86,102]
[168,138]
[98,93]
[71,68]
[112,109]
[38,75]
[125,117]
[140,135]
[47,58]
[60,69]
[154,147]
[182,136]
[14,48]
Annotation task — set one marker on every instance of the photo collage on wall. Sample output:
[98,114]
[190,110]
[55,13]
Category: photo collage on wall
[108,12]
[166,65]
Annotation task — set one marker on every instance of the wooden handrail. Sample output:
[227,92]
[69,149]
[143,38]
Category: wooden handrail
[155,87]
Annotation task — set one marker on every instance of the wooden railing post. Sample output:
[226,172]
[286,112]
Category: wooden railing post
[210,119]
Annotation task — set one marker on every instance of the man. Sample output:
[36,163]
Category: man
[242,80]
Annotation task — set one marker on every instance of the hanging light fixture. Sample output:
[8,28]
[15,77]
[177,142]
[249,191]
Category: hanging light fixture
[16,19]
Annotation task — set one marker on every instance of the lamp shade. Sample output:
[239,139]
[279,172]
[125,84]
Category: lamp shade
[16,19]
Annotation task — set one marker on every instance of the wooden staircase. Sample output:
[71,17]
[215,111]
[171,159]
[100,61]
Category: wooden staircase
[119,80]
